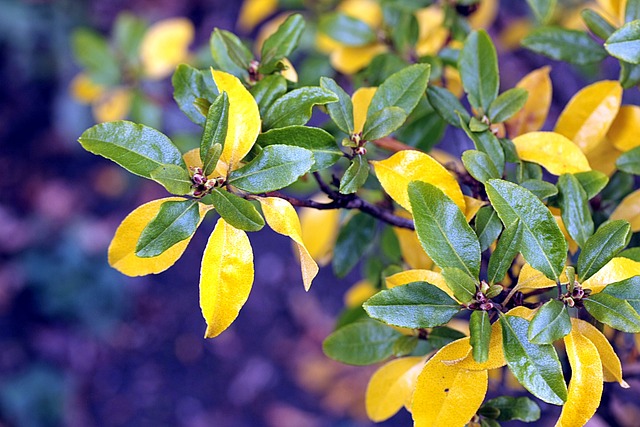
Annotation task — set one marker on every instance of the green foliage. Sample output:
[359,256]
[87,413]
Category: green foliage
[361,343]
[176,221]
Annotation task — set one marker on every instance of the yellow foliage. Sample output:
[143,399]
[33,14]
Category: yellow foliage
[433,35]
[532,116]
[496,355]
[616,270]
[84,90]
[112,105]
[319,231]
[368,11]
[255,11]
[629,209]
[408,276]
[551,150]
[485,15]
[165,45]
[411,248]
[359,293]
[625,129]
[351,59]
[472,207]
[361,99]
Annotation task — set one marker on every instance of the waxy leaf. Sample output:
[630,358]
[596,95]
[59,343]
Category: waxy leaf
[274,168]
[478,65]
[414,305]
[189,84]
[630,161]
[361,343]
[488,226]
[383,122]
[554,152]
[597,24]
[226,277]
[627,290]
[561,44]
[346,30]
[215,133]
[514,408]
[612,311]
[542,189]
[280,44]
[236,211]
[624,44]
[176,221]
[355,176]
[403,89]
[137,148]
[463,286]
[487,143]
[341,112]
[229,53]
[353,240]
[506,250]
[295,107]
[479,165]
[592,181]
[267,90]
[550,323]
[447,105]
[536,367]
[507,104]
[174,178]
[480,335]
[602,246]
[443,230]
[574,205]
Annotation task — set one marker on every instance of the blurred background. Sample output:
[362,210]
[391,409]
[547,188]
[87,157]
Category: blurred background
[83,345]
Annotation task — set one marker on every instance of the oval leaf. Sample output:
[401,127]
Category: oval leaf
[550,323]
[606,242]
[554,152]
[295,107]
[175,222]
[361,343]
[478,65]
[236,211]
[624,44]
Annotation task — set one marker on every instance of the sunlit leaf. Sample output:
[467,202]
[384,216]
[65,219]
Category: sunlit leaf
[532,116]
[165,45]
[629,209]
[553,151]
[616,270]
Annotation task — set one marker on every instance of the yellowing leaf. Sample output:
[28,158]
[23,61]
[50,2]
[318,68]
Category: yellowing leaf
[585,387]
[226,277]
[603,156]
[391,386]
[629,209]
[614,10]
[368,11]
[396,172]
[453,81]
[112,105]
[283,219]
[319,232]
[485,15]
[532,116]
[433,35]
[255,11]
[611,367]
[412,252]
[588,116]
[496,355]
[165,45]
[244,119]
[361,99]
[616,270]
[409,276]
[512,35]
[84,90]
[573,246]
[122,250]
[522,311]
[625,129]
[359,293]
[472,207]
[351,59]
[326,44]
[551,150]
[530,278]
[289,72]
[446,395]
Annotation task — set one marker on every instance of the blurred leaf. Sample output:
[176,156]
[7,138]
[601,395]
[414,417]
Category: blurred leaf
[361,343]
[346,30]
[352,242]
[280,44]
[92,51]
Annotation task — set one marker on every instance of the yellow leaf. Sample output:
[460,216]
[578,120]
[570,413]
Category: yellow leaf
[551,150]
[625,129]
[588,116]
[453,81]
[319,232]
[326,44]
[446,395]
[472,207]
[255,11]
[112,105]
[359,293]
[165,45]
[611,367]
[368,11]
[532,116]
[396,172]
[122,250]
[244,119]
[391,386]
[585,387]
[433,35]
[351,59]
[603,156]
[283,219]
[226,277]
[573,246]
[84,90]
[614,10]
[289,72]
[616,270]
[361,99]
[192,158]
[409,276]
[629,209]
[485,15]
[512,35]
[530,278]
[496,355]
[412,252]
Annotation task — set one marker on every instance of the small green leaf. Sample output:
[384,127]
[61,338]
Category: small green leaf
[629,75]
[189,84]
[353,240]
[542,189]
[229,53]
[214,134]
[346,30]
[236,211]
[383,123]
[280,44]
[341,112]
[355,176]
[550,323]
[488,227]
[479,165]
[561,44]
[632,10]
[487,143]
[414,305]
[480,331]
[630,161]
[361,343]
[478,65]
[597,24]
[295,107]
[463,286]
[507,104]
[574,206]
[447,106]
[536,367]
[515,408]
[602,246]
[405,345]
[592,181]
[274,168]
[175,179]
[267,90]
[137,148]
[476,125]
[624,44]
[175,222]
[612,311]
[627,290]
[542,9]
[92,51]
[443,230]
[403,89]
[506,250]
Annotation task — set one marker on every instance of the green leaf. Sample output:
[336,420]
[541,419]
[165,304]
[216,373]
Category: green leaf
[478,65]
[274,168]
[355,176]
[631,253]
[515,408]
[341,112]
[190,84]
[488,227]
[624,44]
[542,189]
[403,89]
[346,30]
[479,165]
[361,343]
[629,75]
[383,122]
[294,108]
[321,143]
[612,311]
[627,290]
[414,305]
[507,104]
[128,32]
[280,44]
[236,211]
[137,148]
[506,250]
[229,54]
[463,286]
[405,345]
[630,161]
[543,244]
[606,242]
[536,367]
[574,206]
[561,44]
[353,240]
[597,24]
[443,230]
[542,9]
[632,10]
[447,105]
[488,144]
[267,90]
[92,51]
[509,149]
[550,323]
[175,222]
[592,181]
[441,336]
[480,332]
[175,179]
[476,125]
[214,134]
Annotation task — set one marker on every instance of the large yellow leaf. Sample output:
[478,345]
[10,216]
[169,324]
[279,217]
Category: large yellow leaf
[532,116]
[496,355]
[554,152]
[319,232]
[112,105]
[391,386]
[589,114]
[255,11]
[244,119]
[613,10]
[361,99]
[530,278]
[165,45]
[351,59]
[409,276]
[396,172]
[84,90]
[122,249]
[412,252]
[616,270]
[611,367]
[226,277]
[368,11]
[629,209]
[283,219]
[433,35]
[522,311]
[625,129]
[585,387]
[446,395]
[485,15]
[602,157]
[472,206]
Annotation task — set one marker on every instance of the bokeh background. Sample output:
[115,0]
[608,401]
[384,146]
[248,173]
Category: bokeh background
[83,345]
